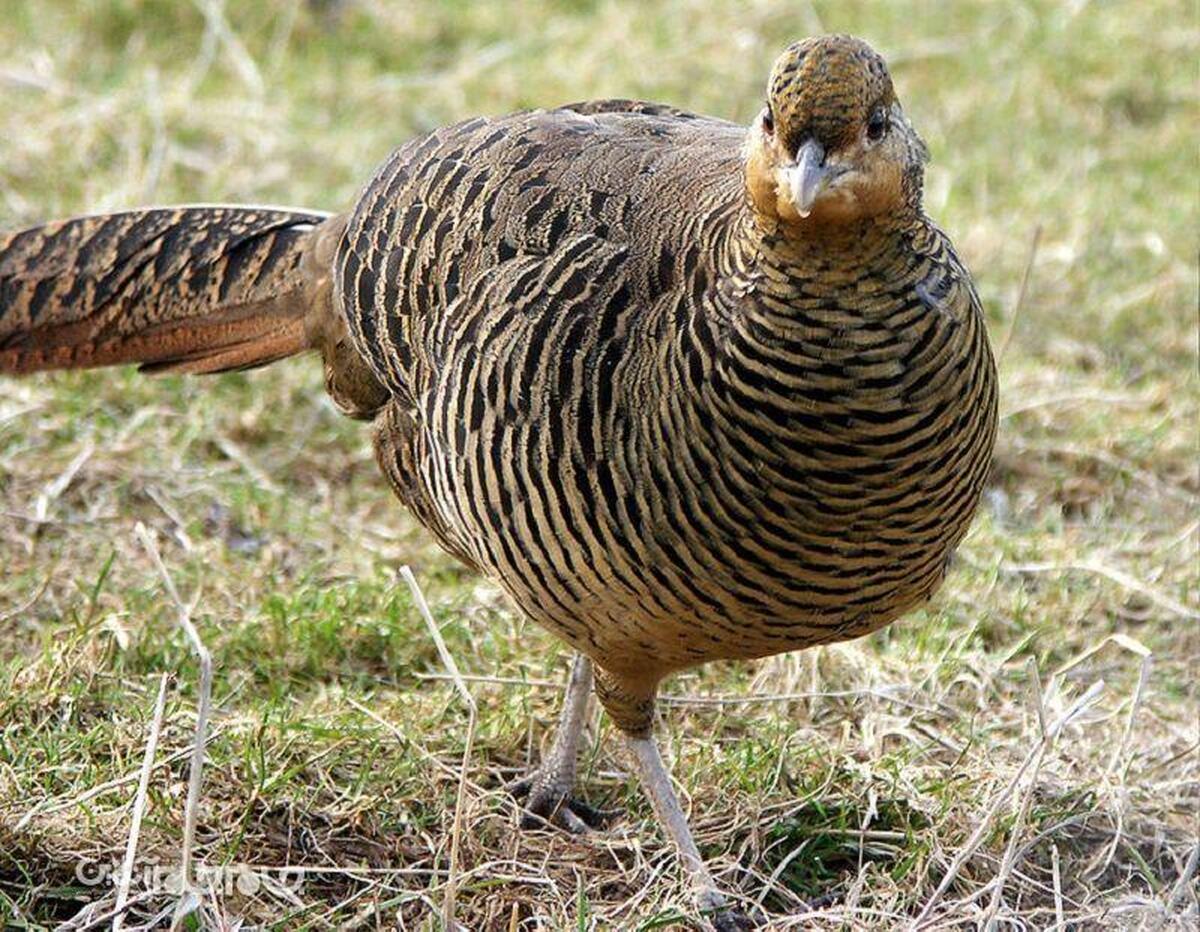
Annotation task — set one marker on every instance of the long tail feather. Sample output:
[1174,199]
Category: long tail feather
[189,289]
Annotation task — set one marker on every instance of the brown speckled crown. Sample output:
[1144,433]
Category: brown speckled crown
[825,87]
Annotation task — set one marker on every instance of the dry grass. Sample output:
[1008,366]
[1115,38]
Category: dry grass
[860,779]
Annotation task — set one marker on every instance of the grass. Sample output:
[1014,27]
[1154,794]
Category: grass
[1078,119]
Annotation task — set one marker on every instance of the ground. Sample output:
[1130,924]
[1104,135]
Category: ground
[923,770]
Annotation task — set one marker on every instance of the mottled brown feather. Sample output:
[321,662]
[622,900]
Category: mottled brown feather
[190,289]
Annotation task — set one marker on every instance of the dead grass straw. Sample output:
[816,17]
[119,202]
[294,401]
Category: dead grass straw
[448,661]
[139,803]
[190,900]
[1032,760]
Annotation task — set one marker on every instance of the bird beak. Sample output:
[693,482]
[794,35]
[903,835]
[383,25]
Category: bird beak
[808,177]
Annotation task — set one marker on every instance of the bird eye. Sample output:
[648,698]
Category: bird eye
[768,121]
[877,125]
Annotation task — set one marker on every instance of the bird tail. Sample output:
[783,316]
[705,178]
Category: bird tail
[188,289]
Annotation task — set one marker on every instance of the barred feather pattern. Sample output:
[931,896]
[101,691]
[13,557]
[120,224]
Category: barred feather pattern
[670,431]
[198,289]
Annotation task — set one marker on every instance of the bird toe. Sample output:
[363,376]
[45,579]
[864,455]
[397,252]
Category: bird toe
[732,920]
[546,801]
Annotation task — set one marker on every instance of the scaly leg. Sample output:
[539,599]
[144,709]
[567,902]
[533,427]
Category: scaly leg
[656,783]
[547,791]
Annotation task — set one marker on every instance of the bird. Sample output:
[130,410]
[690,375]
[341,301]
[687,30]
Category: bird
[685,389]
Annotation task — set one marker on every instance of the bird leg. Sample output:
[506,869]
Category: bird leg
[547,791]
[656,783]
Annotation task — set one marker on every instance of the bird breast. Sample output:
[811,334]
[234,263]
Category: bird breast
[752,479]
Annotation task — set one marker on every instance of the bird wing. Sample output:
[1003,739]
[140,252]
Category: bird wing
[642,107]
[496,231]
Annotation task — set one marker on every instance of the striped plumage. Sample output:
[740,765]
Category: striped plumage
[671,434]
[137,286]
[685,391]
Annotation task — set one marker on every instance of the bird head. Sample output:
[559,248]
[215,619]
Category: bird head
[832,144]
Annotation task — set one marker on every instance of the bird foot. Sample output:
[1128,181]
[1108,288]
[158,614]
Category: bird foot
[732,920]
[724,918]
[549,800]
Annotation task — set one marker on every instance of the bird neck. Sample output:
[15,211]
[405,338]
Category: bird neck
[775,278]
[875,318]
[782,261]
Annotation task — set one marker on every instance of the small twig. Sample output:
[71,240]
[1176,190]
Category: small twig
[494,680]
[460,803]
[1139,691]
[196,768]
[1059,914]
[1184,883]
[55,488]
[28,603]
[773,881]
[167,509]
[1035,683]
[1021,292]
[95,922]
[139,802]
[350,870]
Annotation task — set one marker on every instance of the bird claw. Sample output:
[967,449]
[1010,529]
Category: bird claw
[547,801]
[732,920]
[724,918]
[728,919]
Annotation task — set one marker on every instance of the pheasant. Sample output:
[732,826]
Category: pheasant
[685,390]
